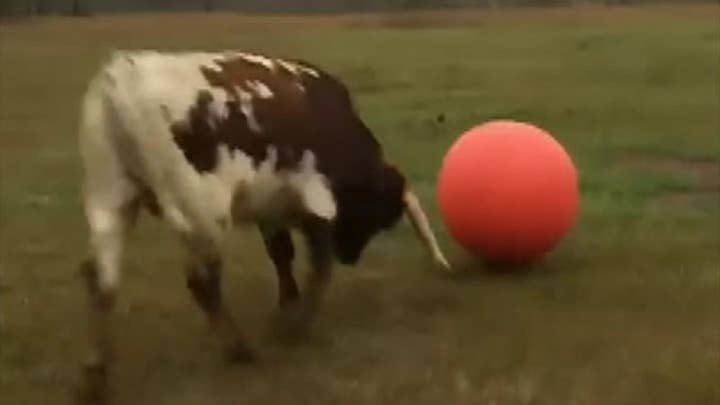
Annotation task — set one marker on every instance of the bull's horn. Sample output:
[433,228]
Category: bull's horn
[422,228]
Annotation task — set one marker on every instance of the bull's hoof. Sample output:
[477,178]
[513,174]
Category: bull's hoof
[94,386]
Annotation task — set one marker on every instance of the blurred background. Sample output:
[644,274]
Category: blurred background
[87,7]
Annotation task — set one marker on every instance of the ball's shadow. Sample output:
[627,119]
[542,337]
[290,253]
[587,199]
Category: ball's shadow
[468,268]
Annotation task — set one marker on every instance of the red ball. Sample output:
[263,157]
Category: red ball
[508,192]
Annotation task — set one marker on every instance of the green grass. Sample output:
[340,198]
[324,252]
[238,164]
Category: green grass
[625,311]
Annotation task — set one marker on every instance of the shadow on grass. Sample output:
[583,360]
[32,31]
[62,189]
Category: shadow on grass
[469,268]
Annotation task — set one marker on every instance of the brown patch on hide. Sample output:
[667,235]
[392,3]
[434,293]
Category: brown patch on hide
[305,113]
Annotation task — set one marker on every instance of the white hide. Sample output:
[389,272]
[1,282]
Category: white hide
[296,69]
[260,88]
[245,99]
[258,59]
[125,140]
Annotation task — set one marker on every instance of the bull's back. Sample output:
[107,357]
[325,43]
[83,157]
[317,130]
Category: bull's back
[195,126]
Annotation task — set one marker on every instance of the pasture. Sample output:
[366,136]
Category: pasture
[625,311]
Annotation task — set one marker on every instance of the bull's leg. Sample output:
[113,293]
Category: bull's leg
[294,317]
[101,301]
[318,234]
[109,225]
[204,282]
[280,247]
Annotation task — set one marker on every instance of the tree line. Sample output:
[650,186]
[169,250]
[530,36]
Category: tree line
[90,7]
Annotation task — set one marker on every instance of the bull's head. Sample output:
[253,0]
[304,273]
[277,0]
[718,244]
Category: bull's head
[377,205]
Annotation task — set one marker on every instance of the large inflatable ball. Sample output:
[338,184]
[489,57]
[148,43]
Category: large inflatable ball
[508,192]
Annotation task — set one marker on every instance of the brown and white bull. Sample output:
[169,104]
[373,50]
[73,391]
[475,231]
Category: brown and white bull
[208,141]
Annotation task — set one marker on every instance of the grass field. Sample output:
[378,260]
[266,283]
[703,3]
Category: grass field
[625,311]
